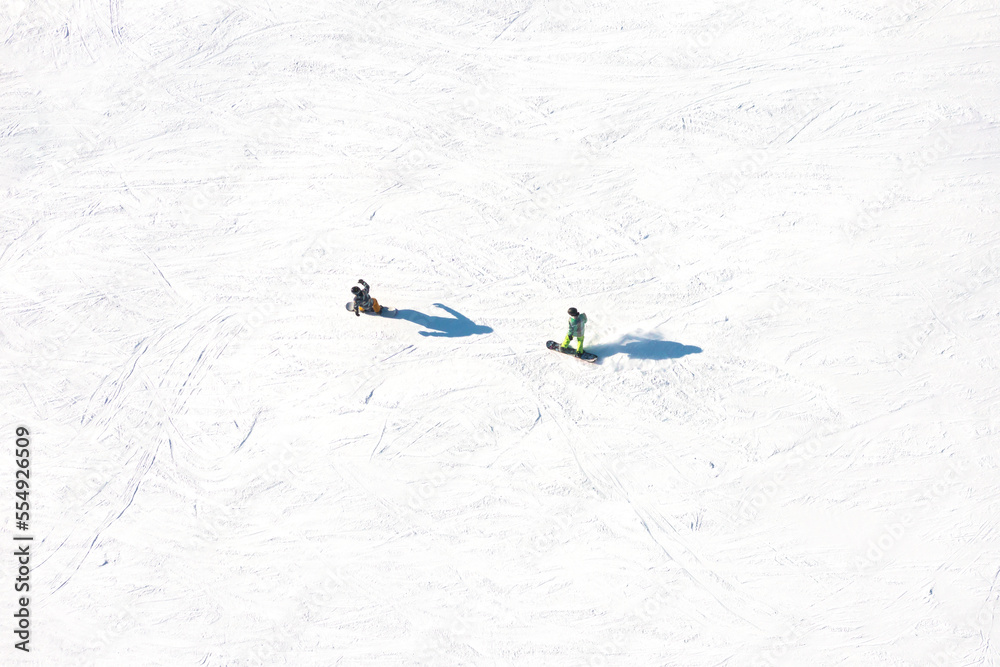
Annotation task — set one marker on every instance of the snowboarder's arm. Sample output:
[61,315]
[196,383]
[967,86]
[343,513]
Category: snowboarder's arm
[362,282]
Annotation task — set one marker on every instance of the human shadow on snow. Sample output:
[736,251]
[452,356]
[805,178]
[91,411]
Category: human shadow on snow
[448,327]
[638,347]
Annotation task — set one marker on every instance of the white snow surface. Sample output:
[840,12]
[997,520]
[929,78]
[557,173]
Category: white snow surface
[780,217]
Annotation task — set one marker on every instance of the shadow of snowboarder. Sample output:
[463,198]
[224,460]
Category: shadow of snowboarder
[449,327]
[637,347]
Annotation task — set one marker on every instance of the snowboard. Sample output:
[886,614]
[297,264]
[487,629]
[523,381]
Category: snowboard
[386,311]
[586,356]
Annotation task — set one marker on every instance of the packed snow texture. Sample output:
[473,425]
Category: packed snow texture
[781,219]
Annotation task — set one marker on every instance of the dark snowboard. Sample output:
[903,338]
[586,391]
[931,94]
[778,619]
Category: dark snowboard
[386,311]
[586,356]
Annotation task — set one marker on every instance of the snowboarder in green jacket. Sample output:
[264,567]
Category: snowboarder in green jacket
[363,300]
[577,322]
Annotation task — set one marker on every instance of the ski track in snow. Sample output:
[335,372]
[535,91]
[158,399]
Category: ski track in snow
[781,219]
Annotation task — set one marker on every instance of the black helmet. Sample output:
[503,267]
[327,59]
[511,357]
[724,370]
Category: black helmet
[355,290]
[573,312]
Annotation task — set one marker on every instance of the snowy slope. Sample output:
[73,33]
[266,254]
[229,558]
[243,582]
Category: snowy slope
[780,217]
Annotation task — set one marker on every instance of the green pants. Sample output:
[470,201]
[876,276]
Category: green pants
[579,340]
